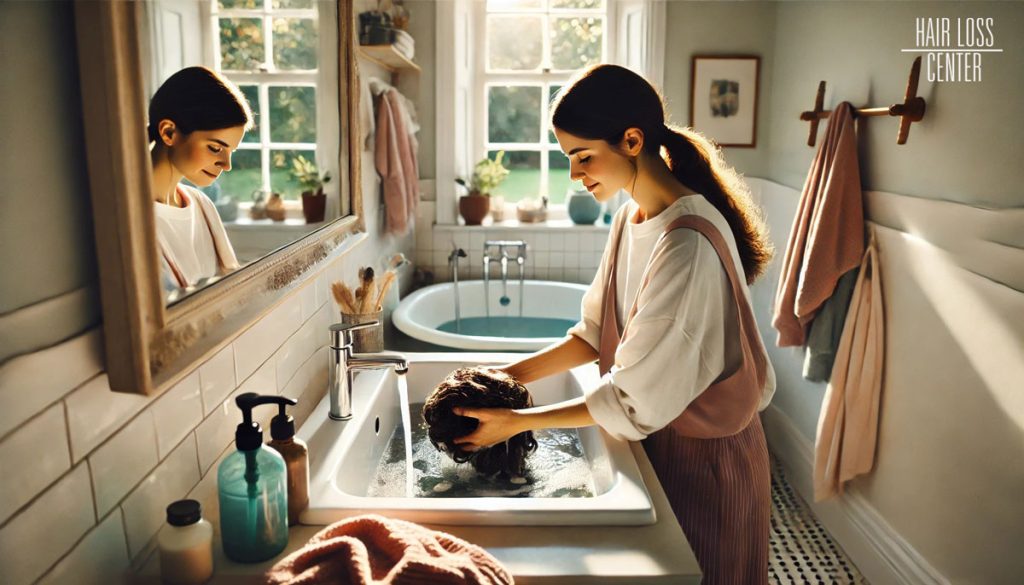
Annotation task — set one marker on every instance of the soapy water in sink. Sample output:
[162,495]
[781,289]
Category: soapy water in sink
[557,469]
[520,327]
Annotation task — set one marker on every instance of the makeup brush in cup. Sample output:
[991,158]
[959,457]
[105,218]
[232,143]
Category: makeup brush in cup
[389,277]
[343,297]
[369,288]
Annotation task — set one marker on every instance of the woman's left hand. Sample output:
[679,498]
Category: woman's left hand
[497,425]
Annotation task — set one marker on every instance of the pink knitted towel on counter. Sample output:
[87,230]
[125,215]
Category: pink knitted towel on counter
[376,550]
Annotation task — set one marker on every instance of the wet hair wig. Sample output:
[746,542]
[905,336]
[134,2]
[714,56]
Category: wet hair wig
[198,98]
[478,388]
[601,102]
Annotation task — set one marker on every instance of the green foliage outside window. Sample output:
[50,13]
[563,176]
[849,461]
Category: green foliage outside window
[241,44]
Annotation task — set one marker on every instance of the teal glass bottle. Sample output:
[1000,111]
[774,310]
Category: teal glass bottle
[252,485]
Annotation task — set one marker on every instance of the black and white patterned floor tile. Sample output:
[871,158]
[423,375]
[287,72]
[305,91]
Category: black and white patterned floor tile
[801,550]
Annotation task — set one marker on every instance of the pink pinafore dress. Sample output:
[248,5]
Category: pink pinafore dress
[712,460]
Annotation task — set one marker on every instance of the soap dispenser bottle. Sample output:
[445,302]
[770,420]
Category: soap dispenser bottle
[252,488]
[295,453]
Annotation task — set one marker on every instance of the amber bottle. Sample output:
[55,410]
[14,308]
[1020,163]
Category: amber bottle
[296,459]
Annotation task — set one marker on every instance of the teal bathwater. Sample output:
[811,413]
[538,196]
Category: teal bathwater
[557,469]
[510,326]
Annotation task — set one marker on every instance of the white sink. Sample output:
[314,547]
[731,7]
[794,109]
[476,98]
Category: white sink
[345,456]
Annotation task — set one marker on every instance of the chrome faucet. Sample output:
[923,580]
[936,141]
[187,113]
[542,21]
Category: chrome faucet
[520,247]
[453,261]
[343,361]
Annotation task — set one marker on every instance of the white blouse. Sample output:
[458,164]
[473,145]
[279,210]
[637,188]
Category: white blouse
[184,234]
[685,329]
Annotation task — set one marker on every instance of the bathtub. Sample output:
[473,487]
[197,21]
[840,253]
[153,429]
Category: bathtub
[422,313]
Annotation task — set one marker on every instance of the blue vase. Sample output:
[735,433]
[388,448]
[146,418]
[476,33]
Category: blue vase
[583,208]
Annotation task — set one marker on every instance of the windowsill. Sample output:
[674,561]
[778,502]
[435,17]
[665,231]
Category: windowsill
[551,224]
[289,224]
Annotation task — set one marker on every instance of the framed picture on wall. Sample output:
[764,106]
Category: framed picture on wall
[723,98]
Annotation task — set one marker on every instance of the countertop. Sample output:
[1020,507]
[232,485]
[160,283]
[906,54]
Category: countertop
[577,555]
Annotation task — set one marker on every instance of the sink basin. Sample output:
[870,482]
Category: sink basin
[602,483]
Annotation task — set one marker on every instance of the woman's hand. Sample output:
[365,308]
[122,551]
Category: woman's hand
[497,425]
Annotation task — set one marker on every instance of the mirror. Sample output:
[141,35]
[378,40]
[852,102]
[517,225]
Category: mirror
[294,61]
[283,60]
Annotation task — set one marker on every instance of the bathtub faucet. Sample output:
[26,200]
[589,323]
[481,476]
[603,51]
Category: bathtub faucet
[453,260]
[344,361]
[503,257]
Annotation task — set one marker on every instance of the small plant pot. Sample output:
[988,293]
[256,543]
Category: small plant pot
[583,208]
[275,208]
[474,208]
[497,208]
[313,204]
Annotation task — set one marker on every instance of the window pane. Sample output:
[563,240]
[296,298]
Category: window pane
[513,114]
[295,43]
[241,44]
[558,177]
[244,176]
[524,174]
[292,114]
[292,3]
[514,42]
[281,179]
[241,4]
[252,95]
[577,3]
[576,41]
[552,92]
[513,4]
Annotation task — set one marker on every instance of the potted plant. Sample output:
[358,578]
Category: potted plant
[487,175]
[312,183]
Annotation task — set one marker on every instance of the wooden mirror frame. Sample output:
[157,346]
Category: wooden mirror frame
[149,346]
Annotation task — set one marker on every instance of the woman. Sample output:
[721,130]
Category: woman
[687,373]
[196,120]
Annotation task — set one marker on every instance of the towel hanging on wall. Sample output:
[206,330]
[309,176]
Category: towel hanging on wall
[395,158]
[848,423]
[827,238]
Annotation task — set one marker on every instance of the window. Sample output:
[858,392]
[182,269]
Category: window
[271,50]
[529,49]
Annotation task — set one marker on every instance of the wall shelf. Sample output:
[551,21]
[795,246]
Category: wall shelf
[388,57]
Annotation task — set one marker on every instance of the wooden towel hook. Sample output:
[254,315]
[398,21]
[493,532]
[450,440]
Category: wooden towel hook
[911,110]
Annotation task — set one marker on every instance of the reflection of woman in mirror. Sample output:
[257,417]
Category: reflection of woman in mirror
[196,120]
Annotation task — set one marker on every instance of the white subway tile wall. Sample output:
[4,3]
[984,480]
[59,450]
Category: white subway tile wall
[177,412]
[33,457]
[145,509]
[122,461]
[217,378]
[557,250]
[36,538]
[95,412]
[30,383]
[101,553]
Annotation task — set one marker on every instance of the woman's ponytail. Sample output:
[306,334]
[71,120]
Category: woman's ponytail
[605,100]
[698,164]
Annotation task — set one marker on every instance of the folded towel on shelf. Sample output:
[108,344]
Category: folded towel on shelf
[403,36]
[375,550]
[404,44]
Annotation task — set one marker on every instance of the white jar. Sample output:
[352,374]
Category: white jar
[186,545]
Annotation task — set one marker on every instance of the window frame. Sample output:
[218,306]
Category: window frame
[264,77]
[479,128]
